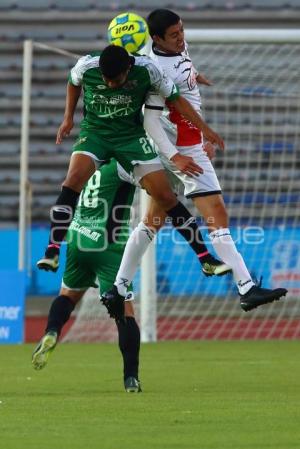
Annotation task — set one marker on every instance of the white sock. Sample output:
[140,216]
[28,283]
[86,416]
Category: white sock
[136,246]
[226,250]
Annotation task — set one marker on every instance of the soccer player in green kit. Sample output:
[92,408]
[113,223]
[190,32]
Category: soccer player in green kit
[115,86]
[96,240]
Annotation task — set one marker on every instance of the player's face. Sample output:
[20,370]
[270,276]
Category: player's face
[173,41]
[118,81]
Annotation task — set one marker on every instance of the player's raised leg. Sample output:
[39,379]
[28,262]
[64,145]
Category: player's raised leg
[155,219]
[81,168]
[214,212]
[157,185]
[143,235]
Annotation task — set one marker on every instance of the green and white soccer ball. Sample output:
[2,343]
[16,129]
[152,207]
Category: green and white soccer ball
[128,30]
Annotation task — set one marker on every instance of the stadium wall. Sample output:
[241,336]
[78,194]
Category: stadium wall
[177,268]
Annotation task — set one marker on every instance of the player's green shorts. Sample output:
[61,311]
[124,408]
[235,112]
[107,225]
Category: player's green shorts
[127,151]
[85,268]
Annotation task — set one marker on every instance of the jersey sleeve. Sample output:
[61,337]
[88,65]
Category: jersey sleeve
[154,128]
[82,65]
[161,83]
[154,101]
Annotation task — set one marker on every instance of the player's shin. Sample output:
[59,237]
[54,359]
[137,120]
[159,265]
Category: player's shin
[136,246]
[62,214]
[129,344]
[59,313]
[225,248]
[186,225]
[61,217]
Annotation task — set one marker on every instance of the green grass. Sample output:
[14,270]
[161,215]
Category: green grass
[220,395]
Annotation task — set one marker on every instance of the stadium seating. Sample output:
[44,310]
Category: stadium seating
[52,21]
[24,5]
[83,5]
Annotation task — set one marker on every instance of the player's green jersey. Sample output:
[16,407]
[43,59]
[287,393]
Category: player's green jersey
[102,215]
[116,113]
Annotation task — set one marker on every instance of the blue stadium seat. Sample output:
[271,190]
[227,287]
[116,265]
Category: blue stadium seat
[269,4]
[43,201]
[38,34]
[276,147]
[257,90]
[39,148]
[34,5]
[3,121]
[11,62]
[79,34]
[8,4]
[9,148]
[191,5]
[49,91]
[10,201]
[124,5]
[52,176]
[233,4]
[53,63]
[218,4]
[73,5]
[39,120]
[295,4]
[262,198]
[9,175]
[8,34]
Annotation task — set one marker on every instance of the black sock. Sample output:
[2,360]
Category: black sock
[186,225]
[129,344]
[59,313]
[62,214]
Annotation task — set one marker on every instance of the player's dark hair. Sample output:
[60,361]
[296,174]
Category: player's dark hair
[114,60]
[161,19]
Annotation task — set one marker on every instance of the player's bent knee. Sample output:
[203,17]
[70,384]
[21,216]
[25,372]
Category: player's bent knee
[166,200]
[75,180]
[74,295]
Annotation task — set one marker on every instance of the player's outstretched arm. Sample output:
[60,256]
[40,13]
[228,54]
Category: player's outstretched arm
[187,110]
[73,94]
[155,130]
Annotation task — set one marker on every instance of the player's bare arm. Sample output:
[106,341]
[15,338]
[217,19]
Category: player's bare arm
[72,97]
[185,109]
[201,79]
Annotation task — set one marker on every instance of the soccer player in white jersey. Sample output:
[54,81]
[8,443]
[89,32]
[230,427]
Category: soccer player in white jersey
[170,52]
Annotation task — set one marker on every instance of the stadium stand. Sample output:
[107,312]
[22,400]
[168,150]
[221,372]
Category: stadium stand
[53,22]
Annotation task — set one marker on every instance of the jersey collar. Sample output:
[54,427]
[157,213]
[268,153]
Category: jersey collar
[162,53]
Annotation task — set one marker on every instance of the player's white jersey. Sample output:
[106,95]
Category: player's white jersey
[179,67]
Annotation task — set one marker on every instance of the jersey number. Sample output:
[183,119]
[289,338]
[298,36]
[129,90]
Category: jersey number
[147,148]
[89,196]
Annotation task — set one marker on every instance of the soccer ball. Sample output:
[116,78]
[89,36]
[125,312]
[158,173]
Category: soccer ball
[129,31]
